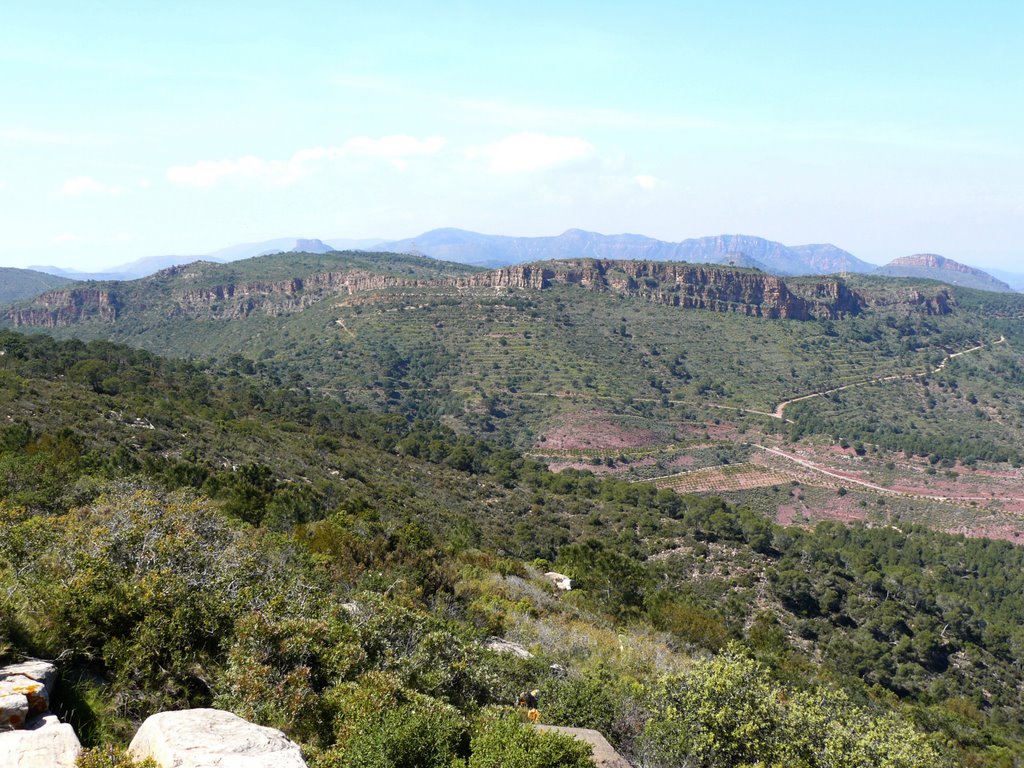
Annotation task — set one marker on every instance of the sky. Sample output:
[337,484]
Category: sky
[133,129]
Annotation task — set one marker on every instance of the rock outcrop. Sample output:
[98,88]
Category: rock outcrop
[55,309]
[500,645]
[560,580]
[173,292]
[44,743]
[718,289]
[212,738]
[30,737]
[25,691]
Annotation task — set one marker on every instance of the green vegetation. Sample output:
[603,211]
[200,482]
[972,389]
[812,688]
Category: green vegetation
[18,284]
[321,525]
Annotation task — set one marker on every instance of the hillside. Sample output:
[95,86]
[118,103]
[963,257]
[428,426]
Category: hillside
[429,542]
[933,267]
[18,284]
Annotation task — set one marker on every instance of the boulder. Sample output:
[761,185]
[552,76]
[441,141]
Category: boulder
[499,645]
[44,743]
[212,738]
[25,690]
[603,756]
[13,711]
[560,580]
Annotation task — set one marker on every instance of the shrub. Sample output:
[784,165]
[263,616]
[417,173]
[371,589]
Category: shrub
[379,724]
[508,743]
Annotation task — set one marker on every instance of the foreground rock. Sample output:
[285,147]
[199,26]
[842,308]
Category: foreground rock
[604,755]
[212,738]
[25,692]
[44,743]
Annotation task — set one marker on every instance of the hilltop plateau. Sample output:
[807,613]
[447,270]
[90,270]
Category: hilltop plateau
[934,267]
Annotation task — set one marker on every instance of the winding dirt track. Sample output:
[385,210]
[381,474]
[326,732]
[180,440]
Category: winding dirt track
[780,409]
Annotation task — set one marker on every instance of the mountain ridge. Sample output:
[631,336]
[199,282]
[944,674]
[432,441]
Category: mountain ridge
[936,267]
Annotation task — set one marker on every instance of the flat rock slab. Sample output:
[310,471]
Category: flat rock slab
[44,743]
[25,690]
[212,738]
[498,645]
[604,755]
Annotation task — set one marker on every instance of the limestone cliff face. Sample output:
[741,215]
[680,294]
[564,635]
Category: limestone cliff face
[683,285]
[699,286]
[234,300]
[940,302]
[56,309]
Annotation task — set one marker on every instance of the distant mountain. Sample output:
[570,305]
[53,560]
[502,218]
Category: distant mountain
[288,245]
[935,267]
[742,250]
[1013,279]
[147,266]
[828,259]
[18,284]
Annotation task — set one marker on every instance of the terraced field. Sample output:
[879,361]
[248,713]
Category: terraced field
[732,477]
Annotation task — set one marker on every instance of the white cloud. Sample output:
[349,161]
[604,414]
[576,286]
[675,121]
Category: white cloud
[645,181]
[81,186]
[530,152]
[64,239]
[396,149]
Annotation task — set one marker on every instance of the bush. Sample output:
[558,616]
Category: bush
[378,724]
[727,711]
[508,743]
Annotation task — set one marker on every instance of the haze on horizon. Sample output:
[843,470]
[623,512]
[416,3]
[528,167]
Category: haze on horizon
[130,130]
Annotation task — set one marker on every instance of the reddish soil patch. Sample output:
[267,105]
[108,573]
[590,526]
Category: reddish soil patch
[787,514]
[840,510]
[596,429]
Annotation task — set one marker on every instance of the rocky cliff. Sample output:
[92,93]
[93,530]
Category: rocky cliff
[67,307]
[718,289]
[177,292]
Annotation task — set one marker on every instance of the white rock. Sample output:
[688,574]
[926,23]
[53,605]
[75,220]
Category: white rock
[560,580]
[13,711]
[44,743]
[32,679]
[212,738]
[498,645]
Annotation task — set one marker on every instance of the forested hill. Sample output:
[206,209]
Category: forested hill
[18,284]
[185,536]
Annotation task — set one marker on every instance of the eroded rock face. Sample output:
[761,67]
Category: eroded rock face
[212,738]
[25,690]
[44,743]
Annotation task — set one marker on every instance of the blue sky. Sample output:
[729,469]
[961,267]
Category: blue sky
[135,129]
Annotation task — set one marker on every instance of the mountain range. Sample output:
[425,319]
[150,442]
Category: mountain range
[491,251]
